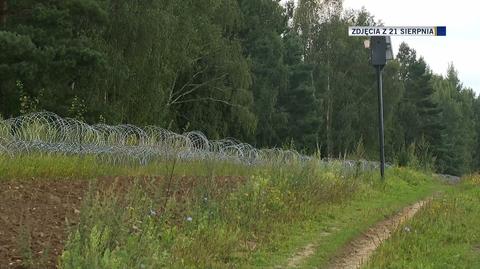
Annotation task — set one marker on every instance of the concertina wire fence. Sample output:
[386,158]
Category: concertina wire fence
[45,132]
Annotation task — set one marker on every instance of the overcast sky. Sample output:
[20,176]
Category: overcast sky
[461,46]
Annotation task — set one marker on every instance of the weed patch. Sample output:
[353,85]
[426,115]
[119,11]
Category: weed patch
[208,223]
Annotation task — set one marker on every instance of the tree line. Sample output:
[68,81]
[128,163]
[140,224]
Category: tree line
[269,73]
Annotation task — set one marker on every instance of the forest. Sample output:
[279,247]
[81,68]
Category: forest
[269,73]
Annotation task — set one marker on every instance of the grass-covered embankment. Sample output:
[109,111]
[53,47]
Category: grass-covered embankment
[445,234]
[218,215]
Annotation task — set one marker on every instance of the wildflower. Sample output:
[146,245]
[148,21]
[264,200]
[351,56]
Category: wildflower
[152,212]
[189,219]
[407,229]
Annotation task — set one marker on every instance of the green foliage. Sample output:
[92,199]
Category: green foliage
[27,103]
[50,50]
[298,101]
[263,23]
[264,72]
[99,239]
[77,109]
[420,113]
[458,105]
[203,222]
[181,61]
[417,156]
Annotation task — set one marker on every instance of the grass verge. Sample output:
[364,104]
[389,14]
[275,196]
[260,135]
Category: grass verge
[343,222]
[445,234]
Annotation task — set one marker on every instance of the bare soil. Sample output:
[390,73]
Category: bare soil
[36,215]
[33,220]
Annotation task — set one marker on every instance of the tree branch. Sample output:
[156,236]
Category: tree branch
[194,88]
[209,99]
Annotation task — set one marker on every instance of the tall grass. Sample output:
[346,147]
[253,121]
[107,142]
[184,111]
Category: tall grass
[44,166]
[212,222]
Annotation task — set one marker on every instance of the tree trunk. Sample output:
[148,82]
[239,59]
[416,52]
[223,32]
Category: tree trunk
[3,12]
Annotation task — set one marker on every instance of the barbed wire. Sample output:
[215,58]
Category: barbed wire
[45,132]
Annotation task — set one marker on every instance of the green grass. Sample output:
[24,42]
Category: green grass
[259,222]
[341,223]
[47,166]
[445,234]
[226,228]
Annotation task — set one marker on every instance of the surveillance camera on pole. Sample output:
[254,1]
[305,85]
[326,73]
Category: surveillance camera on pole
[380,47]
[381,51]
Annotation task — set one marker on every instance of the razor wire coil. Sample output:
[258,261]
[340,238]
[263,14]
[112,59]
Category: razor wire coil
[46,132]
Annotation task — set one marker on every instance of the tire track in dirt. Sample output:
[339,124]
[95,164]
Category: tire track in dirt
[356,253]
[306,252]
[296,260]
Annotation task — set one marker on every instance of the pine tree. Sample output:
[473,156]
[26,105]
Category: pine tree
[50,50]
[264,21]
[298,102]
[419,113]
[458,115]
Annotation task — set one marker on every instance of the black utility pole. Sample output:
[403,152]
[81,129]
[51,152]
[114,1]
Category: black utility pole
[381,52]
[381,128]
